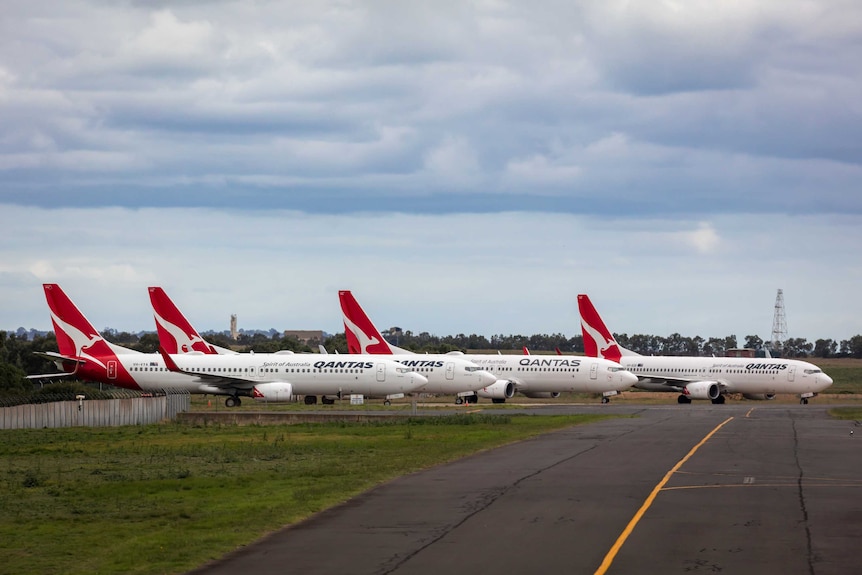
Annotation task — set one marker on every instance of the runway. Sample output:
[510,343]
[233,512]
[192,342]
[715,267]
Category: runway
[739,488]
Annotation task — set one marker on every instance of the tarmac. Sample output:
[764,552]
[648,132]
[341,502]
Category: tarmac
[741,488]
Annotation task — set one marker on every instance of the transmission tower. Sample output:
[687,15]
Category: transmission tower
[779,323]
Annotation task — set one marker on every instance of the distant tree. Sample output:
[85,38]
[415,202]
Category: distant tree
[147,343]
[796,347]
[336,343]
[715,346]
[753,342]
[825,347]
[852,346]
[13,380]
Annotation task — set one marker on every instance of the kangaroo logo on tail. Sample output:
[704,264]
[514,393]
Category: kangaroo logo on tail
[80,340]
[359,339]
[598,341]
[176,334]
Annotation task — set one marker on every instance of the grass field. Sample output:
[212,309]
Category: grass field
[167,498]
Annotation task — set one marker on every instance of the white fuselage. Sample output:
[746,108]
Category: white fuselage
[556,373]
[734,374]
[308,374]
[447,374]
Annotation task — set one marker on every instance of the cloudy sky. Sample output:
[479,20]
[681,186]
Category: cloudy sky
[463,167]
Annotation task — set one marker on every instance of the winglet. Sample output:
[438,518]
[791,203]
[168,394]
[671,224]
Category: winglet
[526,351]
[169,362]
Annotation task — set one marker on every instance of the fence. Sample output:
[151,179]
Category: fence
[72,412]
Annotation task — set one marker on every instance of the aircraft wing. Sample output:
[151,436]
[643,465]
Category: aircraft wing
[215,380]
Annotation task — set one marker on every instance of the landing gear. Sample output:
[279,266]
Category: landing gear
[683,399]
[803,401]
[718,400]
[232,401]
[387,402]
[468,399]
[498,400]
[327,400]
[310,400]
[606,400]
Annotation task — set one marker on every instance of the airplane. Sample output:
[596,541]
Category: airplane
[456,373]
[84,353]
[531,375]
[282,375]
[176,334]
[446,373]
[703,377]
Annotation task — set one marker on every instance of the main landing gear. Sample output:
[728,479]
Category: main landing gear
[232,401]
[683,399]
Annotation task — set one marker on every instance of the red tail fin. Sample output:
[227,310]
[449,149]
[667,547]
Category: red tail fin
[77,338]
[74,333]
[598,340]
[362,336]
[176,334]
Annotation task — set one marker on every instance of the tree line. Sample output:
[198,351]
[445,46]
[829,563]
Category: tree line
[17,357]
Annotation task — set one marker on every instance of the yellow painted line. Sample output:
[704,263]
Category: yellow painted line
[749,412]
[609,558]
[755,485]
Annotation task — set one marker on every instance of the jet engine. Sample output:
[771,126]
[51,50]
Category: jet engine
[277,391]
[541,394]
[702,390]
[758,395]
[500,389]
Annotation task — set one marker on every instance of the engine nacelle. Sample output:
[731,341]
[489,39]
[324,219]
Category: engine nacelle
[276,391]
[758,396]
[541,394]
[500,389]
[702,390]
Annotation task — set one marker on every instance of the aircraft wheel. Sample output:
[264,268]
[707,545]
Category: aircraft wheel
[498,400]
[310,399]
[387,402]
[459,400]
[231,401]
[605,400]
[327,400]
[683,399]
[804,401]
[718,400]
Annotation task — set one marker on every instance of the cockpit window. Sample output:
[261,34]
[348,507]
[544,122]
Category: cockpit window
[472,368]
[813,371]
[615,369]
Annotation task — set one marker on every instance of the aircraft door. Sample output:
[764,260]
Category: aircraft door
[594,371]
[450,370]
[381,372]
[112,369]
[791,373]
[252,371]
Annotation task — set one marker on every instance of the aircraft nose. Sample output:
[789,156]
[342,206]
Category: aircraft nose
[627,378]
[418,379]
[486,377]
[824,381]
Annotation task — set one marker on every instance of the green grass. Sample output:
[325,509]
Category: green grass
[846,413]
[167,498]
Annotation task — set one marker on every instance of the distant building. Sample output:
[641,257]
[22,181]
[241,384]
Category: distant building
[305,335]
[233,332]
